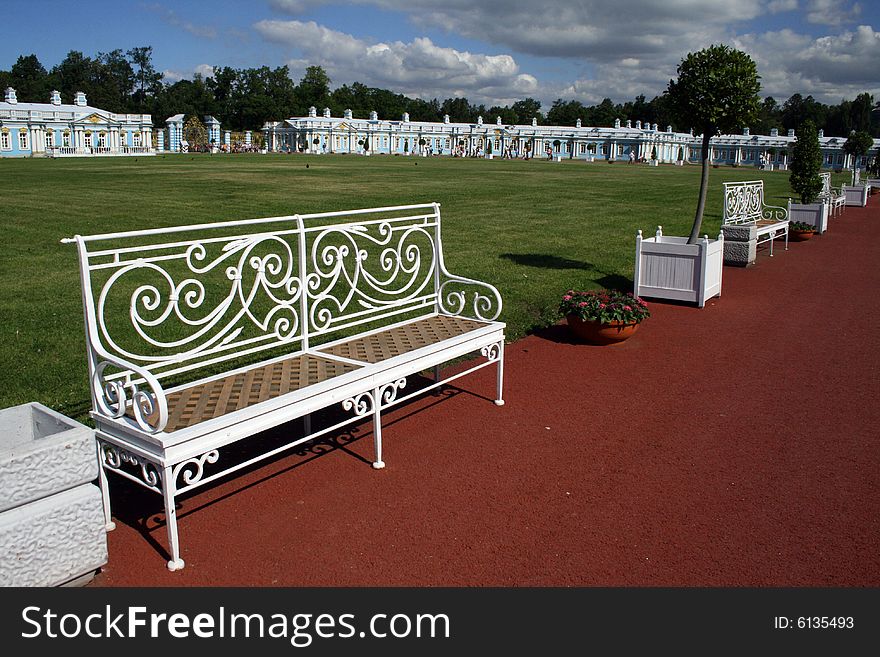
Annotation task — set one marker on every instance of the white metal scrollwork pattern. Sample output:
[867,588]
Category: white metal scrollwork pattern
[192,470]
[259,270]
[116,458]
[357,271]
[744,202]
[484,304]
[365,403]
[492,352]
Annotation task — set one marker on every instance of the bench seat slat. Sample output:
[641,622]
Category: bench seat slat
[376,347]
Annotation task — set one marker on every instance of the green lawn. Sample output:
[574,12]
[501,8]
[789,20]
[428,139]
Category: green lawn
[533,229]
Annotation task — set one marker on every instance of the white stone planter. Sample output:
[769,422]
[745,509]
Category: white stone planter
[56,540]
[41,453]
[670,268]
[856,195]
[815,214]
[52,526]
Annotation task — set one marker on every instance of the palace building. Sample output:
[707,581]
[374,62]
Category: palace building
[624,142]
[54,129]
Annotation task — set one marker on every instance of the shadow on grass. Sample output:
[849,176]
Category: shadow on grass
[546,261]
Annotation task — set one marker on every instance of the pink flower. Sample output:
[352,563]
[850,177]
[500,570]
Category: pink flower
[627,308]
[582,304]
[601,305]
[567,297]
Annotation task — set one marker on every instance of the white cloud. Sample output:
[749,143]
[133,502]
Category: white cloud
[171,17]
[832,12]
[829,68]
[777,6]
[205,70]
[616,49]
[417,68]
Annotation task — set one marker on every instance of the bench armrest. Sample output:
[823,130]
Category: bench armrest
[453,299]
[774,213]
[115,397]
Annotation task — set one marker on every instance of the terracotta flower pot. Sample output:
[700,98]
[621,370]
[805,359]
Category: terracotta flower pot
[599,333]
[800,235]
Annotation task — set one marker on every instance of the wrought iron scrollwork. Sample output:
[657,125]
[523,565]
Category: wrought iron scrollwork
[145,471]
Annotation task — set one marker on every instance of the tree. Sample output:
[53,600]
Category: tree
[526,110]
[147,80]
[29,79]
[195,133]
[716,91]
[857,144]
[806,163]
[314,88]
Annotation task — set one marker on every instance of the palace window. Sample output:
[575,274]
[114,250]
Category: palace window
[591,149]
[582,149]
[136,138]
[65,140]
[87,139]
[102,140]
[5,141]
[50,140]
[22,141]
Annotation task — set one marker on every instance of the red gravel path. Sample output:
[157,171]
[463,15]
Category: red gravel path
[735,445]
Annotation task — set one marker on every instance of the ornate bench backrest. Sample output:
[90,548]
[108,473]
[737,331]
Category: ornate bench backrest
[744,203]
[164,302]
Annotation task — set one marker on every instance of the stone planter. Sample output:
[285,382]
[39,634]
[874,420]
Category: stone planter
[856,195]
[599,333]
[52,527]
[670,268]
[814,214]
[740,244]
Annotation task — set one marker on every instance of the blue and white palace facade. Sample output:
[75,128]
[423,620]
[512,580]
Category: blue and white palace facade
[55,129]
[624,142]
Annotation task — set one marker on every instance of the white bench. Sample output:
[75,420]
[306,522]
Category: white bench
[200,336]
[744,204]
[835,197]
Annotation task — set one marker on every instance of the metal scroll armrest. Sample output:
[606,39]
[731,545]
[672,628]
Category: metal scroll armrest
[115,396]
[468,298]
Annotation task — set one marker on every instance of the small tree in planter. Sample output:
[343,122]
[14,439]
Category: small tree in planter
[857,145]
[716,91]
[681,154]
[806,164]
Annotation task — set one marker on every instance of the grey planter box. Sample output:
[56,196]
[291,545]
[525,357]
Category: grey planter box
[56,540]
[815,214]
[52,527]
[41,453]
[856,195]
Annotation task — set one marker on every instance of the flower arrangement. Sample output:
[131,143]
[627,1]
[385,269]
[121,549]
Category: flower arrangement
[801,226]
[604,306]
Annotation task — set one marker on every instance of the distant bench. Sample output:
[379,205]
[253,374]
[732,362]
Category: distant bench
[831,195]
[744,205]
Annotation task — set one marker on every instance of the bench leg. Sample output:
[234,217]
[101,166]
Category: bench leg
[168,491]
[499,397]
[378,464]
[307,424]
[437,379]
[104,484]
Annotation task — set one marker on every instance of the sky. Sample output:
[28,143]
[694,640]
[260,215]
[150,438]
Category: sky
[489,51]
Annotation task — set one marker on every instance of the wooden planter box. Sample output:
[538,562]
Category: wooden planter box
[815,214]
[856,195]
[670,268]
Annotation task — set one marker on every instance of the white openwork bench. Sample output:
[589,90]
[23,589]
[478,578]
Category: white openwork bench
[834,197]
[744,204]
[200,336]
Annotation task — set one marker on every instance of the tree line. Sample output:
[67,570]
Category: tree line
[243,99]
